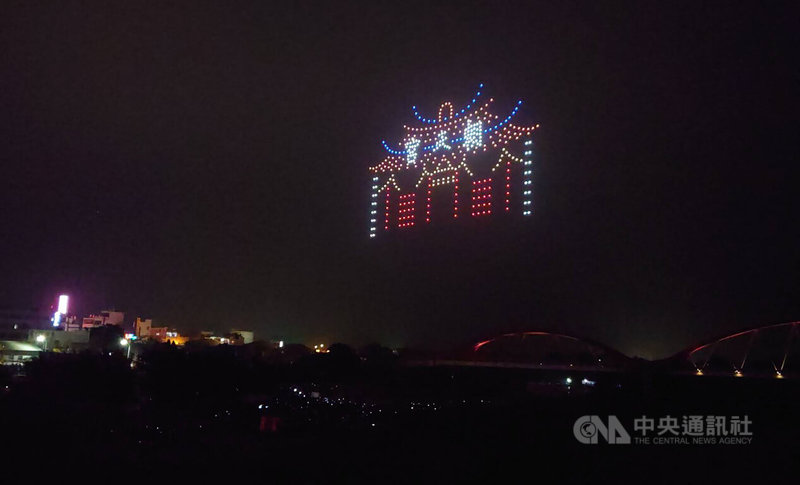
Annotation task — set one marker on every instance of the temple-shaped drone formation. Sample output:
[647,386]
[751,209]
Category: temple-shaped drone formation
[448,154]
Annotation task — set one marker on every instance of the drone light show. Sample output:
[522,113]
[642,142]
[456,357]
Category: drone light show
[467,162]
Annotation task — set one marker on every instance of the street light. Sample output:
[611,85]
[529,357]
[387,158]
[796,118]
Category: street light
[41,339]
[124,342]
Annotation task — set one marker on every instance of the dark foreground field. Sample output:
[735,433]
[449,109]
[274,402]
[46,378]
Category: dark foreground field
[93,418]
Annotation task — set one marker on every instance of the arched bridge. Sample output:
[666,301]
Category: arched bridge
[538,350]
[768,351]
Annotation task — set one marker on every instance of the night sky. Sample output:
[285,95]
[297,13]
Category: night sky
[205,164]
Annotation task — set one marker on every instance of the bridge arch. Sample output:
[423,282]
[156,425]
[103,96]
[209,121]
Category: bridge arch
[766,351]
[549,350]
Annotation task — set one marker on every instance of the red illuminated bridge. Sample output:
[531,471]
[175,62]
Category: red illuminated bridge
[766,351]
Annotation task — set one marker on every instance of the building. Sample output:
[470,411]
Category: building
[165,335]
[173,337]
[106,317]
[71,324]
[159,334]
[59,340]
[17,353]
[142,328]
[247,336]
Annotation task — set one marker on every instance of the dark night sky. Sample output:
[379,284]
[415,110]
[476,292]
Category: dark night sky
[206,164]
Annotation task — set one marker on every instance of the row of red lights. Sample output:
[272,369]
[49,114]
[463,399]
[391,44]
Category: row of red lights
[428,203]
[405,212]
[455,197]
[508,186]
[481,200]
[481,197]
[386,219]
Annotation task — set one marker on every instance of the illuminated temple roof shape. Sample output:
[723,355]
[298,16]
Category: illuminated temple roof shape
[443,144]
[455,151]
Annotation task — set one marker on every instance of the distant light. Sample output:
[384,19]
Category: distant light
[40,338]
[699,372]
[569,380]
[280,344]
[56,319]
[737,373]
[123,342]
[63,300]
[587,382]
[778,374]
